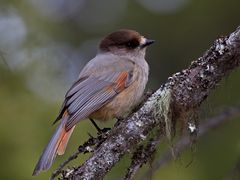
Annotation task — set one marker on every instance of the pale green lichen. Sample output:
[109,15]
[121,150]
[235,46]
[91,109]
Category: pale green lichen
[192,127]
[220,48]
[163,110]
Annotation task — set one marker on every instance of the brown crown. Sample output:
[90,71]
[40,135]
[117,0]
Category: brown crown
[123,38]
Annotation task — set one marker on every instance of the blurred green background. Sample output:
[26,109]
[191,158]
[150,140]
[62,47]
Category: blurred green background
[46,43]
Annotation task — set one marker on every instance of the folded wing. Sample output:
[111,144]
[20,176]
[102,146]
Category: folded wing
[89,94]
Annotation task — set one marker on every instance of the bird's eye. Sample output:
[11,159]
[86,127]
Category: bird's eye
[132,44]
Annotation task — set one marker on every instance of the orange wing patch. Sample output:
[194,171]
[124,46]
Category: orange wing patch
[121,81]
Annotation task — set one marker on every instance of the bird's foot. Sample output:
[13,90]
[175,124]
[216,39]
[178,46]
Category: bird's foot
[103,130]
[100,131]
[119,119]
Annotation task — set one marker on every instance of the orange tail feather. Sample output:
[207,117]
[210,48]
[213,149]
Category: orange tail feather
[56,145]
[64,141]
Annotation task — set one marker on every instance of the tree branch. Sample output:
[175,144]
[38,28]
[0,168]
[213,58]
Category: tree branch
[181,95]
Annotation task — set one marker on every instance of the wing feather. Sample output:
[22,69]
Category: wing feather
[93,104]
[90,93]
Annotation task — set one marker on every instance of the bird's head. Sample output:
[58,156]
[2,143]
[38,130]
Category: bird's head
[125,41]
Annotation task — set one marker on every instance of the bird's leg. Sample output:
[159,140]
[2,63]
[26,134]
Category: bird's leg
[119,119]
[95,125]
[98,128]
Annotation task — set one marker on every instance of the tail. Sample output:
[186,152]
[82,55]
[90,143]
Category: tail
[56,145]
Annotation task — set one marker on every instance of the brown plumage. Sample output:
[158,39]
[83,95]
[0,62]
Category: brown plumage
[121,38]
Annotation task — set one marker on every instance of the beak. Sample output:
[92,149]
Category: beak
[147,43]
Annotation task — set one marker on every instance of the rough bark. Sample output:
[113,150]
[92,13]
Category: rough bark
[175,100]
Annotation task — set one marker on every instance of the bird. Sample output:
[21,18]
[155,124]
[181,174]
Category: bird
[109,85]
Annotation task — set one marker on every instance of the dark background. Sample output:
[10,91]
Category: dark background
[46,43]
